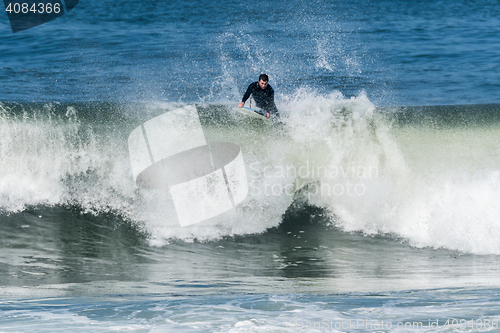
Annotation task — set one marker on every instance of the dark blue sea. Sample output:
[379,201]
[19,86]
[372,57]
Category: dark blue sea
[373,206]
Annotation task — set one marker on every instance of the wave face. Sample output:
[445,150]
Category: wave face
[427,176]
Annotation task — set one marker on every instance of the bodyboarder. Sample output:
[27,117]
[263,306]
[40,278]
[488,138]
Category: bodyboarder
[263,95]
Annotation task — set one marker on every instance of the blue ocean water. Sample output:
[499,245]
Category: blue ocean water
[399,52]
[389,141]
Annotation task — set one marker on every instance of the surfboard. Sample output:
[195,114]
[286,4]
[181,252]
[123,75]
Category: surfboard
[253,113]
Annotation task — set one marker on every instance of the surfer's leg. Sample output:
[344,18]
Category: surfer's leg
[273,111]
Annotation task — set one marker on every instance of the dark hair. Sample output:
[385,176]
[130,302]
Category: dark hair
[264,77]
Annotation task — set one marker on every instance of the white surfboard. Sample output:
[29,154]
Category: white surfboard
[253,113]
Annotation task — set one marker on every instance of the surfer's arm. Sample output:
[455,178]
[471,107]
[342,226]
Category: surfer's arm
[248,93]
[271,95]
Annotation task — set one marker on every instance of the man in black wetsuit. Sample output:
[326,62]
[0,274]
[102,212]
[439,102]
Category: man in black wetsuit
[263,94]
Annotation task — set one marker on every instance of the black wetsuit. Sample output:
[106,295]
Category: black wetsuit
[264,98]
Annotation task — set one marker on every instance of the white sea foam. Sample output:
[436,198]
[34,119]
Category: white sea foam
[432,187]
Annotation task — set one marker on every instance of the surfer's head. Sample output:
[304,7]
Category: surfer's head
[263,80]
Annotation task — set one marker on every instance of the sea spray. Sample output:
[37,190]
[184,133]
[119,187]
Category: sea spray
[428,185]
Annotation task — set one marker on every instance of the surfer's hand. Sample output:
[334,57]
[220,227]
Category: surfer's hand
[241,104]
[268,115]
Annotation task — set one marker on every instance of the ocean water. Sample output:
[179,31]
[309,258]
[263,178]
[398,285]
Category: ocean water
[372,206]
